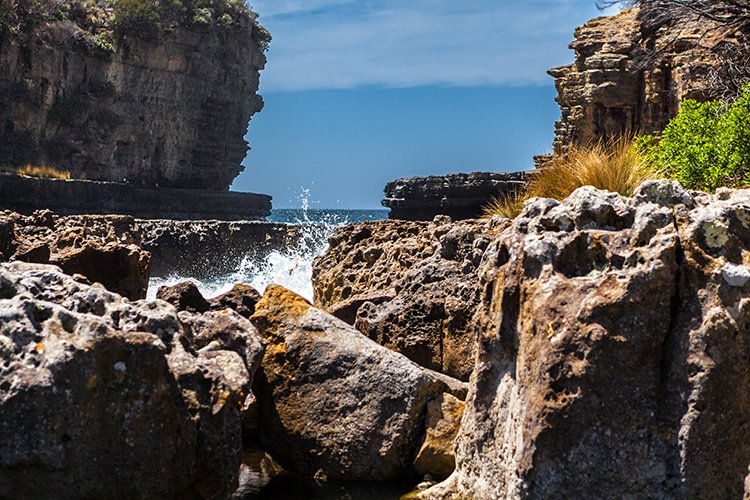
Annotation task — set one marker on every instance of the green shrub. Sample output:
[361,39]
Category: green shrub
[706,146]
[139,18]
[262,36]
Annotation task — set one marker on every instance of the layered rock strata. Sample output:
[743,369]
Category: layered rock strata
[612,356]
[171,111]
[101,397]
[459,196]
[65,197]
[206,249]
[629,76]
[410,286]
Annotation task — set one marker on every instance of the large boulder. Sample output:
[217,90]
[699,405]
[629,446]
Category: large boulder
[333,403]
[410,286]
[101,397]
[614,351]
[104,249]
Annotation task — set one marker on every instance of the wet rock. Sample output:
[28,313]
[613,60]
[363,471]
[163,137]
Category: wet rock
[241,298]
[436,457]
[184,296]
[410,286]
[613,353]
[106,395]
[334,404]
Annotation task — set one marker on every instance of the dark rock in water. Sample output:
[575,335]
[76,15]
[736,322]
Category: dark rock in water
[334,404]
[241,298]
[71,197]
[459,196]
[205,249]
[184,296]
[410,286]
[101,397]
[103,249]
[202,249]
[613,349]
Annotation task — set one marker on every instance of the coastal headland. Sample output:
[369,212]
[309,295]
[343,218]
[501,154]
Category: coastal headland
[544,334]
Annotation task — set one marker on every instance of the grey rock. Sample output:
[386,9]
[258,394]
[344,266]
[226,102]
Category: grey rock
[612,358]
[116,399]
[409,286]
[735,275]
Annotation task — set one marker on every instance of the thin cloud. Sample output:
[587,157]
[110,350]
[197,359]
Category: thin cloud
[336,44]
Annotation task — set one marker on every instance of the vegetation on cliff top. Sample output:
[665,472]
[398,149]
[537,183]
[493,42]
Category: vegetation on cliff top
[706,146]
[614,166]
[98,24]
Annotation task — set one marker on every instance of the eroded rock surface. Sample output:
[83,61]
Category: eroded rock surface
[103,397]
[104,249]
[613,351]
[410,286]
[186,296]
[333,403]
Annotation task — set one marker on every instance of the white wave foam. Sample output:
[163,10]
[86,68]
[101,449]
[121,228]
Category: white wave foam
[291,267]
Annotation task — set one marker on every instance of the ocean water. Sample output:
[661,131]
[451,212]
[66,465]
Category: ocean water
[290,267]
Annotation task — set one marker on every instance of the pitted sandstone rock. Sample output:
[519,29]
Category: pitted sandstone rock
[613,353]
[116,399]
[410,286]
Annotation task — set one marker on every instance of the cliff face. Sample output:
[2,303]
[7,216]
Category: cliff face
[170,112]
[631,76]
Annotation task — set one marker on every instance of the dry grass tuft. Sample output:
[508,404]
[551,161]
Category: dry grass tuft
[508,206]
[43,171]
[613,166]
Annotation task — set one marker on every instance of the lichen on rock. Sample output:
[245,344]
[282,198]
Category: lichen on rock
[100,395]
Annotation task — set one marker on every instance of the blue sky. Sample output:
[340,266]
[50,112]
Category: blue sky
[359,92]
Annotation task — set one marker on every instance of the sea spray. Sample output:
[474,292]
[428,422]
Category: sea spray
[290,267]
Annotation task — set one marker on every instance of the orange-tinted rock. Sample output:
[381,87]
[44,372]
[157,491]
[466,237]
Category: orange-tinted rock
[410,286]
[332,402]
[436,457]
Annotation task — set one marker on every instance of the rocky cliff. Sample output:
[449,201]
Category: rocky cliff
[108,102]
[631,72]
